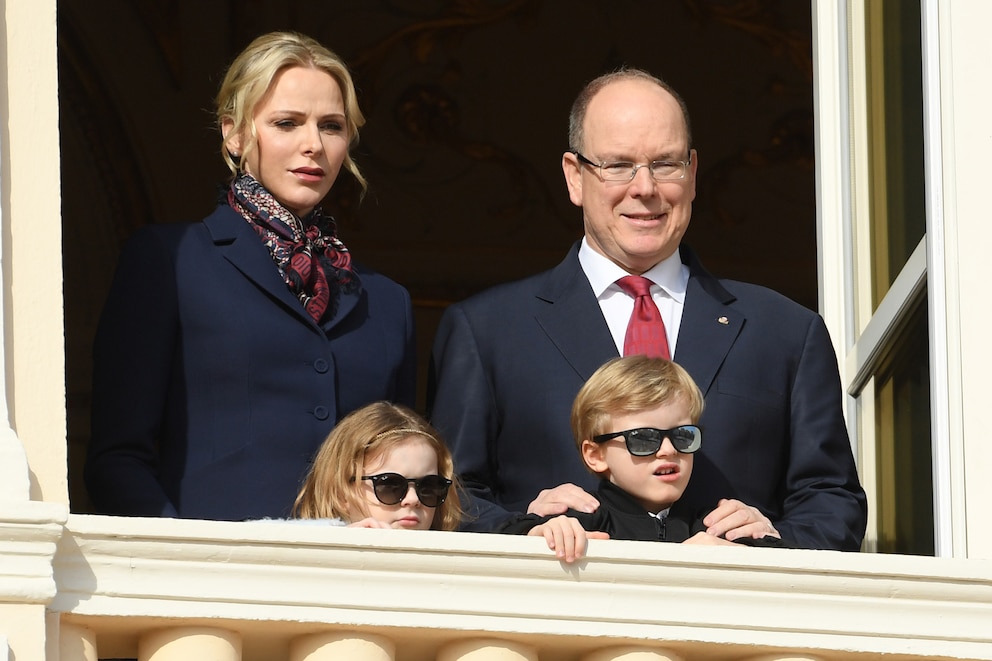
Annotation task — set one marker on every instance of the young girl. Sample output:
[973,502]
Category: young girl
[383,466]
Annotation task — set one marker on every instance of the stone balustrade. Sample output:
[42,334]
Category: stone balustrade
[167,590]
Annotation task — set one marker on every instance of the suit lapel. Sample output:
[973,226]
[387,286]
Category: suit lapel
[240,246]
[573,319]
[346,303]
[710,324]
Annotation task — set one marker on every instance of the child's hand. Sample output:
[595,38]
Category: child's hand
[369,523]
[705,539]
[566,537]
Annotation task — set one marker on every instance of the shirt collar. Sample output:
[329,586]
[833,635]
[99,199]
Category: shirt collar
[669,274]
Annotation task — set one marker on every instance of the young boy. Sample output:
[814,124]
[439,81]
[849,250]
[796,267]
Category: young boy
[635,425]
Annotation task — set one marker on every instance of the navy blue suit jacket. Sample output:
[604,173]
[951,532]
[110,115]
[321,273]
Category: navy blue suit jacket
[213,387]
[508,363]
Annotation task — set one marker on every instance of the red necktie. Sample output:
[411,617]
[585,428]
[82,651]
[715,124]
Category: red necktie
[646,329]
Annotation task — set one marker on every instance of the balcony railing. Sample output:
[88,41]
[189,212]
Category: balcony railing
[159,590]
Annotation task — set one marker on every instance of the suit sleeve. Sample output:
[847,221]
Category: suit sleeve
[406,379]
[461,405]
[133,355]
[824,505]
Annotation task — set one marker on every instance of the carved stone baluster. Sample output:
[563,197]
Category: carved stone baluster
[487,649]
[185,643]
[77,642]
[632,653]
[341,645]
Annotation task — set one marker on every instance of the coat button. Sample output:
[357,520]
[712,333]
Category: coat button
[320,413]
[320,365]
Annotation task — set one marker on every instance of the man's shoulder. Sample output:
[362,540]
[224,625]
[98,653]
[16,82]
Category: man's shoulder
[749,295]
[508,297]
[509,292]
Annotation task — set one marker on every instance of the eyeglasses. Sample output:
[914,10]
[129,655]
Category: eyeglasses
[626,171]
[391,488]
[646,441]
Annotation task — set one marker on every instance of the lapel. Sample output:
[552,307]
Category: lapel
[346,303]
[710,324]
[238,243]
[573,319]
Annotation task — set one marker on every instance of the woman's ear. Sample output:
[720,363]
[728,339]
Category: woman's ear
[594,456]
[232,139]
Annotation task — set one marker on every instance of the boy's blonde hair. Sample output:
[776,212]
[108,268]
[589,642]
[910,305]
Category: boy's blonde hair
[332,489]
[629,385]
[250,76]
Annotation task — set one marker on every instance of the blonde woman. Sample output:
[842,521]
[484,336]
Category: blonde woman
[229,348]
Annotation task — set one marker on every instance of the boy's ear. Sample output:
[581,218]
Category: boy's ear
[594,455]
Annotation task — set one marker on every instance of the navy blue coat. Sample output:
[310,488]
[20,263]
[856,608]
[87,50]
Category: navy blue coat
[213,387]
[508,363]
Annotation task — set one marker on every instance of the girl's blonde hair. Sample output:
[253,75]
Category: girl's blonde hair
[251,74]
[629,385]
[332,488]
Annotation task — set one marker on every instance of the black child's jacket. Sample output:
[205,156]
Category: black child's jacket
[623,517]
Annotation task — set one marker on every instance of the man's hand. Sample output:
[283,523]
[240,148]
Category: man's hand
[733,519]
[561,498]
[566,537]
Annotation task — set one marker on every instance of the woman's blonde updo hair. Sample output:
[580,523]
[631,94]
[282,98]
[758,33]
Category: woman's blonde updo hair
[251,74]
[331,489]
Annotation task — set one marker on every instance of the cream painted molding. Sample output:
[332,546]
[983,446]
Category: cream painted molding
[14,481]
[208,571]
[29,531]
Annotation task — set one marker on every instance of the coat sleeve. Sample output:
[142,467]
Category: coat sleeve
[406,379]
[824,505]
[461,404]
[133,356]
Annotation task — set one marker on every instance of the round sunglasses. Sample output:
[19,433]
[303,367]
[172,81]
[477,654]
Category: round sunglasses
[646,441]
[391,488]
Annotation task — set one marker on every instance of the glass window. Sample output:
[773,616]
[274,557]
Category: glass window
[895,109]
[904,483]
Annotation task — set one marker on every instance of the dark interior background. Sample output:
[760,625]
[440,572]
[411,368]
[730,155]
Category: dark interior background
[467,104]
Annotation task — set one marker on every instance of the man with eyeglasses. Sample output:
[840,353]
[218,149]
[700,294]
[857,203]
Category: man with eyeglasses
[508,362]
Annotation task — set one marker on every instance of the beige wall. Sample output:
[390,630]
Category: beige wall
[32,245]
[24,627]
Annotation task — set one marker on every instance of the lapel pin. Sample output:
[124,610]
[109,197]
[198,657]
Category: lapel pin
[723,320]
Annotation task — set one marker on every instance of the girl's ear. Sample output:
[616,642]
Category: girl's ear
[594,455]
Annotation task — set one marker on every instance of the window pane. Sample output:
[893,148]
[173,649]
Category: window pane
[895,100]
[902,435]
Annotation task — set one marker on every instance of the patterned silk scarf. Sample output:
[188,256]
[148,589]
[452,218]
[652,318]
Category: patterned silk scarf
[311,259]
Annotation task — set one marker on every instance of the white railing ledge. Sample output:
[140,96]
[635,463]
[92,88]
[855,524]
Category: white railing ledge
[165,570]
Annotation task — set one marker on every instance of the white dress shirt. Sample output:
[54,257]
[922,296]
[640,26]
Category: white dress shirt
[670,278]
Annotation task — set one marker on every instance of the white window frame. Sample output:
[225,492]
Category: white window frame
[860,335]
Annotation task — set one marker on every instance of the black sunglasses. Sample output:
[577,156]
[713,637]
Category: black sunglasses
[645,441]
[391,488]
